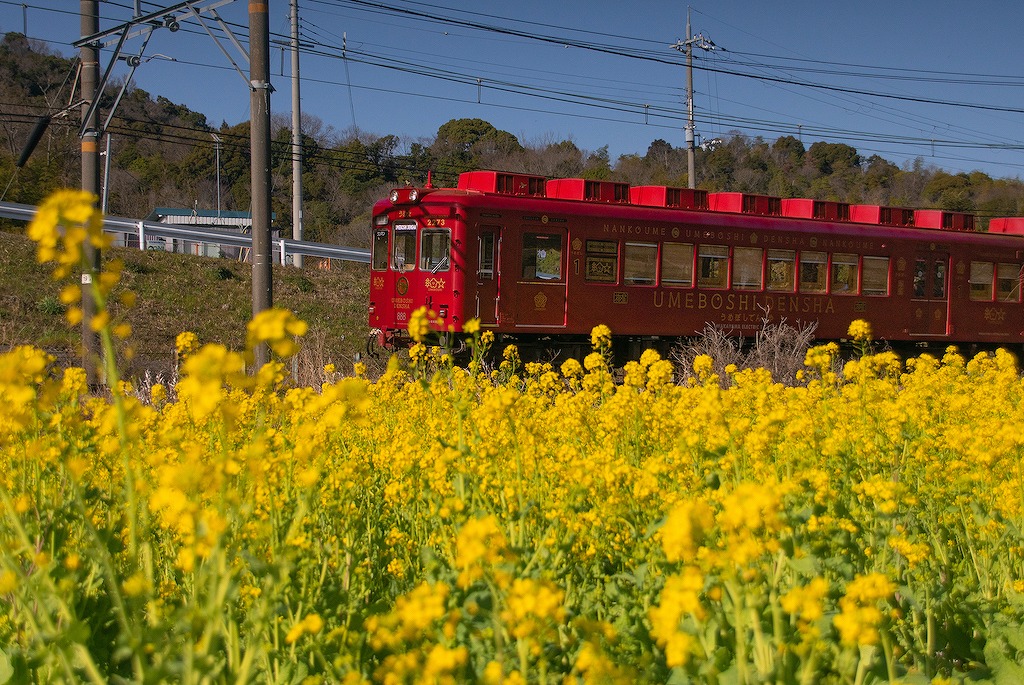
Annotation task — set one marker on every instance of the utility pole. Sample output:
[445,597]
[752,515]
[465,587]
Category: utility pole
[259,134]
[687,47]
[216,152]
[691,161]
[297,229]
[90,56]
[106,175]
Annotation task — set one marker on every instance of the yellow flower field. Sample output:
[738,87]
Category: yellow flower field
[515,524]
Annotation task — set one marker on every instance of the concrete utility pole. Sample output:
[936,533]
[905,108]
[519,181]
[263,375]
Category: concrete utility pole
[259,134]
[687,47]
[296,136]
[691,164]
[90,56]
[258,58]
[216,152]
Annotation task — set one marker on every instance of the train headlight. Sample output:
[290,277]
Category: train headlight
[401,196]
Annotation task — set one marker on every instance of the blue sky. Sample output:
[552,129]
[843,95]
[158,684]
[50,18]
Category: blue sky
[937,80]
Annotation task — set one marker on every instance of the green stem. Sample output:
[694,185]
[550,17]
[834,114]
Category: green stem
[64,610]
[863,662]
[890,665]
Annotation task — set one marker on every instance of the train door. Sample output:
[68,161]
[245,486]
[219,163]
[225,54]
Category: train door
[540,292]
[488,275]
[930,295]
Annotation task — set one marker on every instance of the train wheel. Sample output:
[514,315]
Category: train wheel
[377,342]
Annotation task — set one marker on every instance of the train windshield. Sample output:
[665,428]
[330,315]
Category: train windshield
[435,245]
[403,252]
[379,260]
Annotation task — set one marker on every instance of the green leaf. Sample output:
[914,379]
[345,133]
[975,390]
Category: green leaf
[1004,669]
[915,679]
[6,670]
[806,566]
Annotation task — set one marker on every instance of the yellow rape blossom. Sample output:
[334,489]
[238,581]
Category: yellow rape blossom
[703,365]
[186,343]
[685,529]
[860,617]
[8,582]
[805,602]
[679,599]
[278,328]
[601,337]
[311,624]
[533,607]
[419,323]
[76,212]
[860,330]
[524,526]
[480,545]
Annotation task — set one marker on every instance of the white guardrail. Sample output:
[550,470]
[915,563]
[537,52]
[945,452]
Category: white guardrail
[151,229]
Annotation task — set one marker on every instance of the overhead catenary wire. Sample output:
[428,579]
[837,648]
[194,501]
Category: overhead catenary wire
[753,124]
[577,93]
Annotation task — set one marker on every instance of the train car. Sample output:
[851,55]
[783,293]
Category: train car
[544,261]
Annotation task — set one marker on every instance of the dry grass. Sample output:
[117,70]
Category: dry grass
[174,293]
[213,298]
[778,347]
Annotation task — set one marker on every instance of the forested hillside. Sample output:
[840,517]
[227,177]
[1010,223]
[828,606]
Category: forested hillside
[165,155]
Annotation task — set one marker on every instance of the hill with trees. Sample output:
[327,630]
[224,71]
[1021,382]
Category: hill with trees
[164,154]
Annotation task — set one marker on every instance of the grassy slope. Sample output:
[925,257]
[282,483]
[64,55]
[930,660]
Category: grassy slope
[210,297]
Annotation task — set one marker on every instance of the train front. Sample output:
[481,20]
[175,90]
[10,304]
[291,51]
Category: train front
[416,261]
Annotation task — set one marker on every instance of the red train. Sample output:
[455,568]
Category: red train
[544,261]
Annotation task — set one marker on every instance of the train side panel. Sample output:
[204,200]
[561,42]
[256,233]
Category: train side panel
[672,278]
[526,264]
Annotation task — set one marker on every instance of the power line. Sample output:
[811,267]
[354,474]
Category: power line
[624,46]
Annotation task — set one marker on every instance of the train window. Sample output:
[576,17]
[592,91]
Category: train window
[939,279]
[677,264]
[641,263]
[403,252]
[485,265]
[747,267]
[602,261]
[379,260]
[844,274]
[712,266]
[813,268]
[542,256]
[981,280]
[876,276]
[435,250]
[781,270]
[920,267]
[1008,282]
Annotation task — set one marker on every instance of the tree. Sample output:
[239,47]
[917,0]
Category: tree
[950,192]
[828,158]
[659,152]
[163,154]
[463,144]
[878,178]
[634,170]
[598,165]
[788,151]
[717,168]
[558,160]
